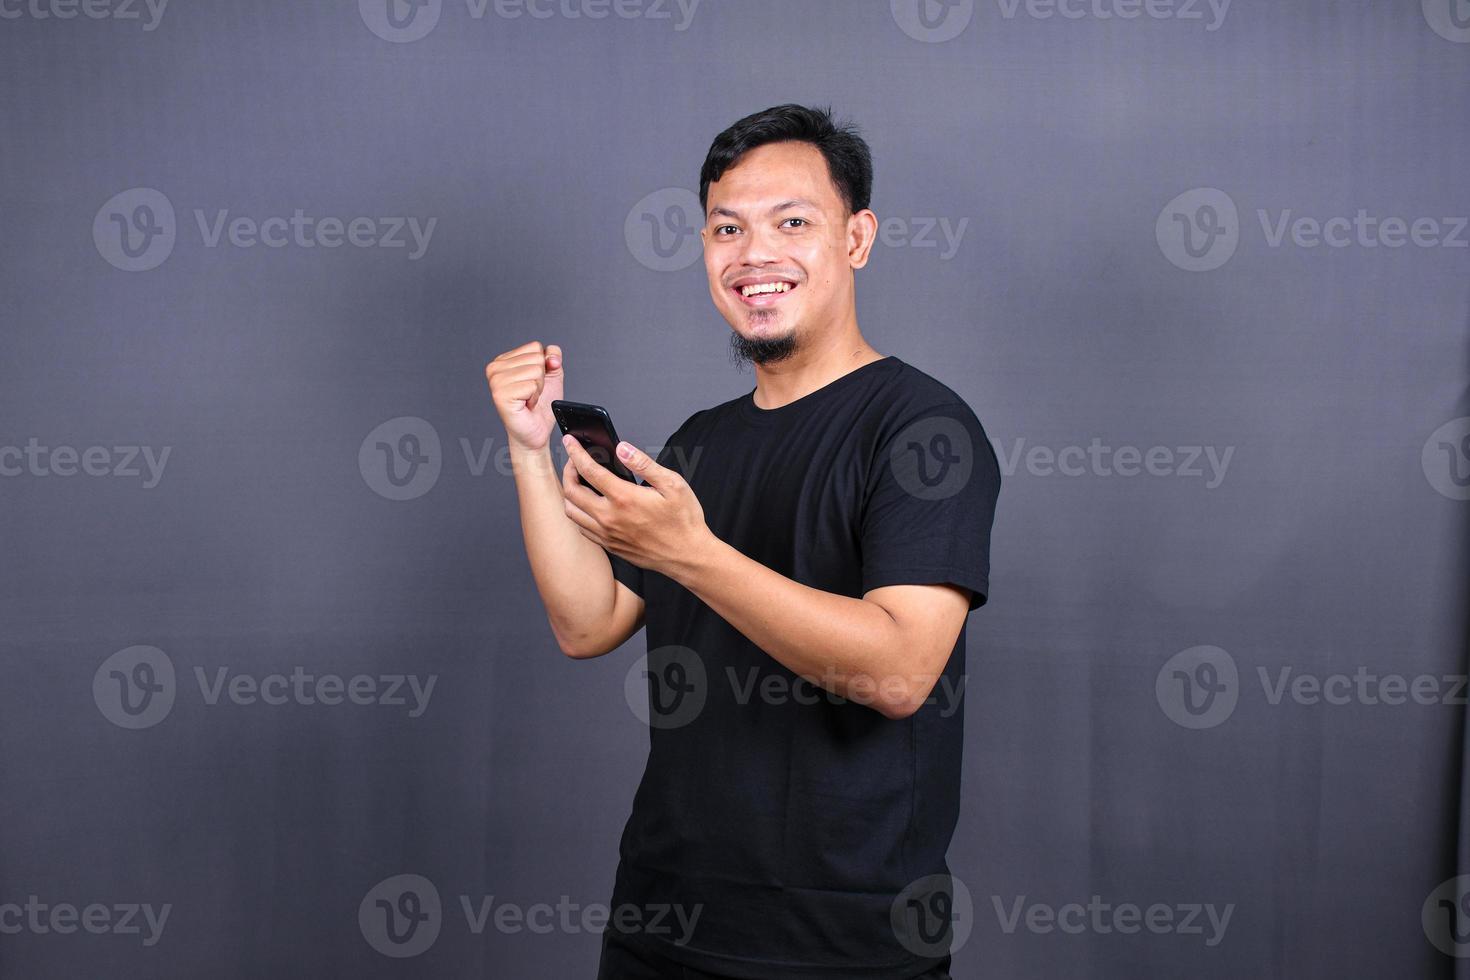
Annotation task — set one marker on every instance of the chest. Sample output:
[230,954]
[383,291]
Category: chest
[791,498]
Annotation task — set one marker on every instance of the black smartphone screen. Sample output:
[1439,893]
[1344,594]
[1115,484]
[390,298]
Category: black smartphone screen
[592,426]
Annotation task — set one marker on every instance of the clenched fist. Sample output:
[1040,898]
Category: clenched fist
[523,384]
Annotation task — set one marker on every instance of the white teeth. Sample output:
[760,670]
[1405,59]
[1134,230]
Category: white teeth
[765,287]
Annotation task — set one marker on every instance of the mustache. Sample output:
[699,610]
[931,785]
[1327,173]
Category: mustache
[781,273]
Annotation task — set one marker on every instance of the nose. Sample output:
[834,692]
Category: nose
[760,246]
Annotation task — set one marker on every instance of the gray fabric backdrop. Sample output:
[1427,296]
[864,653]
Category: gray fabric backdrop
[1200,269]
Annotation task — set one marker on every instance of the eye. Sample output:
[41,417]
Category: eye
[721,228]
[802,220]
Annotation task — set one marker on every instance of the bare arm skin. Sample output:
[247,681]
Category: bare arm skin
[589,611]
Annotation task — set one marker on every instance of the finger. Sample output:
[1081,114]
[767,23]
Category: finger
[643,465]
[585,522]
[517,380]
[528,353]
[549,366]
[569,478]
[572,489]
[595,473]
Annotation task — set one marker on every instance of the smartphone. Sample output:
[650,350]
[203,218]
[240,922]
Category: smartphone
[593,428]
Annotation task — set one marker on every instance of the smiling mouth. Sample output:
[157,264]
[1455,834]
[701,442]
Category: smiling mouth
[764,294]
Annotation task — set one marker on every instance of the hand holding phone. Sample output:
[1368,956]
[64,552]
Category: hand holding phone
[592,426]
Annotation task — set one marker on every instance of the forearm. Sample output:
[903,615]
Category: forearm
[848,646]
[572,574]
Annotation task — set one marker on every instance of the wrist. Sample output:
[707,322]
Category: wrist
[526,460]
[693,564]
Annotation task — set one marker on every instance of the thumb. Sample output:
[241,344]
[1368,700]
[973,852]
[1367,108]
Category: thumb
[643,465]
[554,351]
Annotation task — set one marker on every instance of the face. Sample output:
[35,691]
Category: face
[779,250]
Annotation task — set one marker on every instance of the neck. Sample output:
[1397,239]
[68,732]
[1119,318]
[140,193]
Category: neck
[810,368]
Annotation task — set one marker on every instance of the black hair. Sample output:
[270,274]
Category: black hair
[849,163]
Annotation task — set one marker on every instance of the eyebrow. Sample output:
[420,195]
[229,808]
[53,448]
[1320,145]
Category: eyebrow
[796,202]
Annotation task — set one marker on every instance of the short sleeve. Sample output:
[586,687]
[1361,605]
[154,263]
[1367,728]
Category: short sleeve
[930,502]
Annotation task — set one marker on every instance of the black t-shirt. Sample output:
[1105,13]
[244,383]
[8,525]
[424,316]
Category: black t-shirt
[788,819]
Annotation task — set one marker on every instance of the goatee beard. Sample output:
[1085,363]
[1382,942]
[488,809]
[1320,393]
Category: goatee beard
[761,350]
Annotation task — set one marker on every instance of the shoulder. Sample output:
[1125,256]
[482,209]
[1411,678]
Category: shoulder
[913,394]
[705,419]
[922,414]
[914,381]
[694,423]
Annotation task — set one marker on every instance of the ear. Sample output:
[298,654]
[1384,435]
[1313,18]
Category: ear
[862,231]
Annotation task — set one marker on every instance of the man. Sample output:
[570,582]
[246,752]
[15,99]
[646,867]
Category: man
[806,556]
